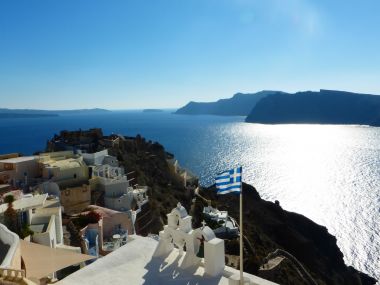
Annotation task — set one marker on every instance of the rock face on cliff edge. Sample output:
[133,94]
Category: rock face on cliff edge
[268,227]
[239,105]
[323,107]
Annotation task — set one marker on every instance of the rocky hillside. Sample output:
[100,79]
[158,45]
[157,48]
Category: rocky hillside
[149,161]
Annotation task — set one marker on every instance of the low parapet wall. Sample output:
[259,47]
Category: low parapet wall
[12,239]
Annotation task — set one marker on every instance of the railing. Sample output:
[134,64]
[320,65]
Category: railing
[12,273]
[302,272]
[114,180]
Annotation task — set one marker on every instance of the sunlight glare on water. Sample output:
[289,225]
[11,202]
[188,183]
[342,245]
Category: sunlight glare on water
[324,172]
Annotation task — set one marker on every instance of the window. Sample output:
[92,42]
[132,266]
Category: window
[8,166]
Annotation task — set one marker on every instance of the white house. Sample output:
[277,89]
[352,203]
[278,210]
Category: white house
[18,170]
[64,168]
[115,185]
[46,223]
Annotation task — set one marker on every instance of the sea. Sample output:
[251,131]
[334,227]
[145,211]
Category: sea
[329,173]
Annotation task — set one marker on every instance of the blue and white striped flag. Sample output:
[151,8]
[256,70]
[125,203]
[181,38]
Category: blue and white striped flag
[229,181]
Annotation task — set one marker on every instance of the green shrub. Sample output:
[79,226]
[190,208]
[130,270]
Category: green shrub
[26,231]
[9,199]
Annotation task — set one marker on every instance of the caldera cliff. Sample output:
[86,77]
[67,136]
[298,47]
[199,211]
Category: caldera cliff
[323,107]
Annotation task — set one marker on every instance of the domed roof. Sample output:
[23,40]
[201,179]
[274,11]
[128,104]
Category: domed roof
[208,233]
[180,211]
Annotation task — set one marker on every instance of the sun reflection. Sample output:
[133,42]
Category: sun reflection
[323,172]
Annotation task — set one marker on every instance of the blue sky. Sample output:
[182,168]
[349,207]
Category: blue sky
[163,53]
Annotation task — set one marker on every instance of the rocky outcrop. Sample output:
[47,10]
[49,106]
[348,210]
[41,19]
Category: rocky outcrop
[323,107]
[149,162]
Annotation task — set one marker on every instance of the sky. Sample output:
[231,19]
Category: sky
[121,54]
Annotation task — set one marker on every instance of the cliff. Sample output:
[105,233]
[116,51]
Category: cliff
[150,163]
[323,107]
[239,105]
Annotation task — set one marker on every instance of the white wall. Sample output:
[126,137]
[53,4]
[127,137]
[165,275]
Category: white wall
[50,188]
[94,158]
[111,160]
[122,203]
[30,167]
[13,240]
[54,230]
[114,187]
[48,238]
[58,227]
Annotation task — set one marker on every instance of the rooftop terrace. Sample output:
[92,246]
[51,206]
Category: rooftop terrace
[26,202]
[134,263]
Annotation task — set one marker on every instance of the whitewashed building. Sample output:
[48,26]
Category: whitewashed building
[119,194]
[144,260]
[18,170]
[99,158]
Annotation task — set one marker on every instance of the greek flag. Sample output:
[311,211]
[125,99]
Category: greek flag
[229,181]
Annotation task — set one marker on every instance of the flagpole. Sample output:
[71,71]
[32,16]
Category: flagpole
[241,232]
[227,182]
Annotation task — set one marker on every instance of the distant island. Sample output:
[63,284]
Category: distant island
[152,111]
[22,115]
[82,111]
[33,113]
[309,107]
[239,105]
[323,107]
